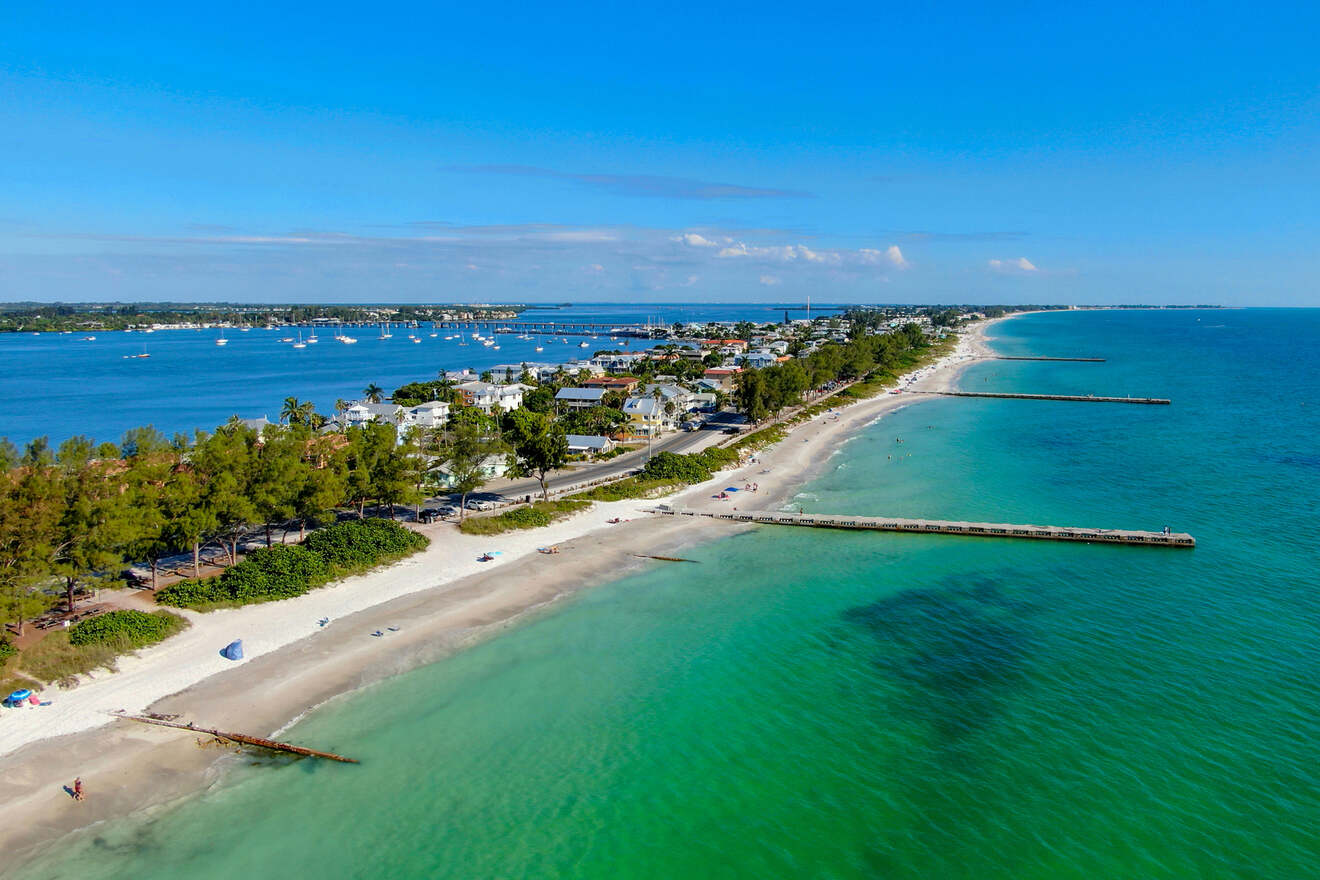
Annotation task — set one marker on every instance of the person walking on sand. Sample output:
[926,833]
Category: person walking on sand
[77,789]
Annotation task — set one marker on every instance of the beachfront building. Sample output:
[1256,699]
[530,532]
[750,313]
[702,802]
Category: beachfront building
[579,398]
[589,445]
[485,396]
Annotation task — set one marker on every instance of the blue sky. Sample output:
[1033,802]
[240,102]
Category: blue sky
[1048,152]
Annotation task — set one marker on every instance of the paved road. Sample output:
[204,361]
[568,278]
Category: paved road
[678,442]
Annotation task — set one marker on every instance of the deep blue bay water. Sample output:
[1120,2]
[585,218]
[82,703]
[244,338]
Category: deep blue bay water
[58,385]
[807,703]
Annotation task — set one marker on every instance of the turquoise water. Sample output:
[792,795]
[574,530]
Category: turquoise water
[815,704]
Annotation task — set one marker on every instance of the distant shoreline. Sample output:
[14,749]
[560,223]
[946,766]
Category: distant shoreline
[442,600]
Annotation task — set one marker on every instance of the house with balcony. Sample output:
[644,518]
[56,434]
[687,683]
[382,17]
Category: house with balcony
[360,412]
[646,416]
[427,415]
[579,398]
[679,396]
[485,396]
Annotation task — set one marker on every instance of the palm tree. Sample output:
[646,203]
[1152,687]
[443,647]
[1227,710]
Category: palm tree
[307,414]
[292,411]
[373,393]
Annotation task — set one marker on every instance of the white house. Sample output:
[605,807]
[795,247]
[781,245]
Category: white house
[427,415]
[492,468]
[587,444]
[360,412]
[675,394]
[485,396]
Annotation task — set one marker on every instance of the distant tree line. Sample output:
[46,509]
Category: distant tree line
[763,393]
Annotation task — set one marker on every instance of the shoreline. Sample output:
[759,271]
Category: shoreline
[442,600]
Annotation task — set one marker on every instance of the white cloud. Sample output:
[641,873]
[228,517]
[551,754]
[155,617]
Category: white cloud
[891,255]
[595,268]
[692,239]
[1021,264]
[769,280]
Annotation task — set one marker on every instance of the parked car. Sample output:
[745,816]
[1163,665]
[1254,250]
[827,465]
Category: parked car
[477,504]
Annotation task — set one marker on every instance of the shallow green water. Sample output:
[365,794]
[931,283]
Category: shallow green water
[808,703]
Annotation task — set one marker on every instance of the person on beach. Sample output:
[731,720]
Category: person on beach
[77,789]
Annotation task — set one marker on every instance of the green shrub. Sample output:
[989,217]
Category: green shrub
[7,650]
[696,467]
[282,572]
[191,593]
[126,629]
[531,517]
[632,487]
[363,542]
[275,573]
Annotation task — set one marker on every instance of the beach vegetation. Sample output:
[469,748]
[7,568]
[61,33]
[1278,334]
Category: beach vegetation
[126,628]
[695,467]
[533,516]
[281,572]
[629,489]
[58,658]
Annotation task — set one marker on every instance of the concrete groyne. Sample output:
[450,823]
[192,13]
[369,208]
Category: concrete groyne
[1127,537]
[1084,398]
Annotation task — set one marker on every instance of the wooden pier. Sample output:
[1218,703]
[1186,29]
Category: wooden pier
[243,738]
[1125,537]
[1086,398]
[1071,360]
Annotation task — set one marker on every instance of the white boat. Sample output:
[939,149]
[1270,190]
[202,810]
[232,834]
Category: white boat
[434,335]
[583,345]
[383,334]
[222,340]
[540,348]
[244,329]
[416,341]
[287,339]
[495,348]
[89,339]
[347,340]
[300,343]
[312,339]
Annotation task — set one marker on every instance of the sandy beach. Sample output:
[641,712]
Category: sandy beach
[440,600]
